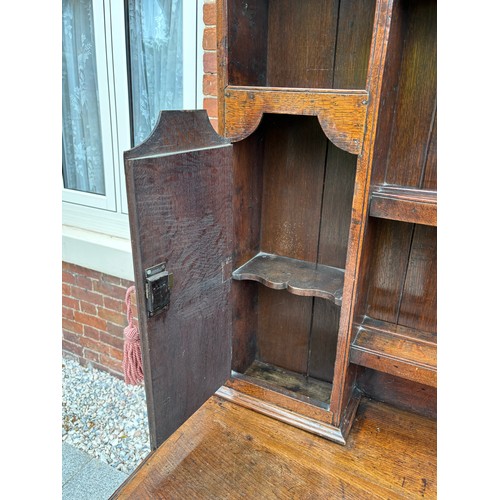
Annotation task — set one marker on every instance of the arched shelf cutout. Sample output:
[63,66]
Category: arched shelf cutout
[341,113]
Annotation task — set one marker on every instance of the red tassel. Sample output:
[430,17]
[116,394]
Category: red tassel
[132,357]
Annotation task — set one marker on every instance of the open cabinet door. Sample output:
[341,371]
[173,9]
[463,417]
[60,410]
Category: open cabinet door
[179,188]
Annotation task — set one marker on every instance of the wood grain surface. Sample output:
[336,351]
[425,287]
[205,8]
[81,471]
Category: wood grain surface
[344,373]
[229,452]
[404,204]
[341,113]
[180,213]
[397,350]
[398,392]
[296,276]
[293,178]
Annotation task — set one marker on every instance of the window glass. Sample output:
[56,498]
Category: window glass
[155,61]
[83,168]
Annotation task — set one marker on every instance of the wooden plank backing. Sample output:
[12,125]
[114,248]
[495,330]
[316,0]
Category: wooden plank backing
[416,102]
[180,207]
[418,307]
[301,43]
[294,164]
[226,451]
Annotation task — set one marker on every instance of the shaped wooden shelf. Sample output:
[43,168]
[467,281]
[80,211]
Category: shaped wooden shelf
[395,349]
[341,113]
[404,204]
[297,276]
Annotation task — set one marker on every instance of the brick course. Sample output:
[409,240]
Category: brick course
[210,62]
[93,317]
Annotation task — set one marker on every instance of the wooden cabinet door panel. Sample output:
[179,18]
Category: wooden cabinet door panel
[179,186]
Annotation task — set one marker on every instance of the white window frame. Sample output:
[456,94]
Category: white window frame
[95,227]
[108,200]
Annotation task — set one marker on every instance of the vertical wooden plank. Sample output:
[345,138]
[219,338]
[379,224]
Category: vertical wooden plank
[301,43]
[429,180]
[337,205]
[295,151]
[416,97]
[389,94]
[283,329]
[419,300]
[294,163]
[323,340]
[247,206]
[335,223]
[398,392]
[246,20]
[180,210]
[389,261]
[344,374]
[355,22]
[352,51]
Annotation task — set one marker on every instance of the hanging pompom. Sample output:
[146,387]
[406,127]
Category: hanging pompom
[132,357]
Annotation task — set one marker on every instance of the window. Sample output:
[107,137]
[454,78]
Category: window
[123,62]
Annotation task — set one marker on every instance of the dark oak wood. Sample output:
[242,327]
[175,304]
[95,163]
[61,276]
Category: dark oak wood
[294,166]
[301,43]
[228,451]
[328,191]
[186,348]
[395,349]
[429,180]
[399,392]
[418,308]
[344,374]
[416,101]
[404,204]
[247,209]
[300,414]
[388,255]
[275,400]
[290,381]
[296,276]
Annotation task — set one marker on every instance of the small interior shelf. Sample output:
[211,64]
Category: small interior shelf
[341,113]
[404,204]
[286,381]
[297,276]
[398,350]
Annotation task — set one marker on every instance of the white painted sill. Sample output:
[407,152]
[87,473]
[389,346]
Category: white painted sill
[97,251]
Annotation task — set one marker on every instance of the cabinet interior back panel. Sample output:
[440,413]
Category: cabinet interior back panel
[306,206]
[402,281]
[415,107]
[310,44]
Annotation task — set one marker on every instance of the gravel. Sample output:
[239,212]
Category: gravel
[103,416]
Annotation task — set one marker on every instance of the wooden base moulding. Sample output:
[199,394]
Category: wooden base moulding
[299,420]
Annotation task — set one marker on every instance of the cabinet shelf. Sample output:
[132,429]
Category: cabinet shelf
[397,350]
[296,276]
[341,113]
[404,204]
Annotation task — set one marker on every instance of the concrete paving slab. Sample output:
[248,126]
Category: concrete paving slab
[94,480]
[73,461]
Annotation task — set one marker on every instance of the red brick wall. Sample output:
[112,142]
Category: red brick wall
[94,316]
[210,61]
